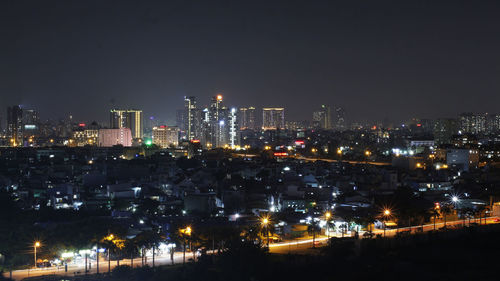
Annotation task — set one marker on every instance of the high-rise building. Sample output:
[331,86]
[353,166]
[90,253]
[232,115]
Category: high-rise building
[111,137]
[273,118]
[340,118]
[165,136]
[218,126]
[444,129]
[205,128]
[129,118]
[323,118]
[246,117]
[493,123]
[191,119]
[15,125]
[233,128]
[31,125]
[496,123]
[471,123]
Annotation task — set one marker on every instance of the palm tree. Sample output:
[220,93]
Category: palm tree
[435,213]
[142,243]
[445,210]
[131,250]
[108,244]
[480,211]
[462,213]
[150,239]
[313,229]
[423,214]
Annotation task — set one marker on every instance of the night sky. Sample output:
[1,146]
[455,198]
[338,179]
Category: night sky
[378,59]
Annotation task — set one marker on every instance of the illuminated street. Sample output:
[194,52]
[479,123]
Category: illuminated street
[103,267]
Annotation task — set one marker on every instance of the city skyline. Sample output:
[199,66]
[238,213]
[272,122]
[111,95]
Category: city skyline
[336,54]
[249,140]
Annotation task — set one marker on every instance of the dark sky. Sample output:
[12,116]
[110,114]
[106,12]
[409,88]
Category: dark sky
[378,59]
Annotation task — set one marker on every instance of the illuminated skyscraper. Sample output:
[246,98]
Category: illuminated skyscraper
[273,118]
[31,126]
[130,118]
[191,119]
[233,128]
[340,118]
[471,123]
[323,118]
[15,125]
[493,123]
[218,126]
[247,118]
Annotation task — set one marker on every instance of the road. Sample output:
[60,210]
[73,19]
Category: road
[79,269]
[305,245]
[346,161]
[313,159]
[302,245]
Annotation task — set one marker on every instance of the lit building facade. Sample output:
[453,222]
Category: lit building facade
[218,126]
[129,118]
[340,118]
[15,125]
[247,118]
[273,118]
[323,118]
[191,120]
[493,123]
[111,137]
[31,123]
[86,135]
[165,136]
[471,123]
[233,128]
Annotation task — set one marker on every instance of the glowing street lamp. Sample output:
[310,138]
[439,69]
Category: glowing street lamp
[36,245]
[328,216]
[187,232]
[265,224]
[387,213]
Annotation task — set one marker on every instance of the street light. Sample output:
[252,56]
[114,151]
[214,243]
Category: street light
[265,222]
[328,215]
[387,213]
[186,232]
[36,245]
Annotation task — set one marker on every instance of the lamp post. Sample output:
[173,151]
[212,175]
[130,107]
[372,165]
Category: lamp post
[328,215]
[265,223]
[97,259]
[387,213]
[185,231]
[36,245]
